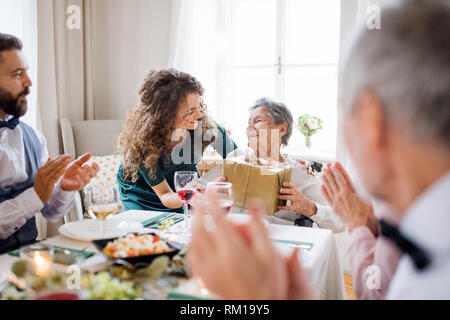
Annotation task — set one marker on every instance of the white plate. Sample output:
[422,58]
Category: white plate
[88,230]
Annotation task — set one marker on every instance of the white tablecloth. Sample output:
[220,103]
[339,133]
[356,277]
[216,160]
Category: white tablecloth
[325,270]
[324,267]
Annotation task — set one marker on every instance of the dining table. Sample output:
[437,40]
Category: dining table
[318,255]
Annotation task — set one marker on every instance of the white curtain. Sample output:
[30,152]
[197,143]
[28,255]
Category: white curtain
[194,43]
[94,72]
[60,70]
[354,15]
[61,77]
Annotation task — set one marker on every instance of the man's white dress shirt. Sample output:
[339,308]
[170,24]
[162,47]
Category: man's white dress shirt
[427,224]
[14,170]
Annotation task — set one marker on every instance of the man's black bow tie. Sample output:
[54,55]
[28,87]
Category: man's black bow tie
[11,123]
[419,256]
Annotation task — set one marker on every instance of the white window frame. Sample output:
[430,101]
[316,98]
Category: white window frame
[223,8]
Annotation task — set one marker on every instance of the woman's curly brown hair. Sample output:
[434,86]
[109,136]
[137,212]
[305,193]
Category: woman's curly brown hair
[144,135]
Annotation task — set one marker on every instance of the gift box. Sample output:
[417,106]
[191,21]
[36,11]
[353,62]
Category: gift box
[257,179]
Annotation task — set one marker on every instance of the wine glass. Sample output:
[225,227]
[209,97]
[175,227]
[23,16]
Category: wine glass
[223,192]
[185,187]
[103,202]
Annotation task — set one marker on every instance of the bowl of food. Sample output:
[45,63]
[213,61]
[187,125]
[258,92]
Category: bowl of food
[135,248]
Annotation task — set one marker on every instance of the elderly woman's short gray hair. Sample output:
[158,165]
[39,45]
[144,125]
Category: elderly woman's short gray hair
[279,114]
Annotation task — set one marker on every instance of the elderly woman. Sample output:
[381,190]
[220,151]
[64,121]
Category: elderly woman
[269,128]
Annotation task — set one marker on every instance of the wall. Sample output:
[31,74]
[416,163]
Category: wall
[129,37]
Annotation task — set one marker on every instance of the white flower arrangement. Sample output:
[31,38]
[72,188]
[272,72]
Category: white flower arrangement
[309,125]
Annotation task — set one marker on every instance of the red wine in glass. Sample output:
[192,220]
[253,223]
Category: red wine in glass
[184,182]
[186,194]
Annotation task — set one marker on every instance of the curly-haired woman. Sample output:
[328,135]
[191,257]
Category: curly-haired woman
[167,132]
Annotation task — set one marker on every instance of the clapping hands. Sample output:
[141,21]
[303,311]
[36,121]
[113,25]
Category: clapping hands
[338,189]
[74,176]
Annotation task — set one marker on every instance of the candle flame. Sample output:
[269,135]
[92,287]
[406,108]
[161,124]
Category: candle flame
[42,264]
[202,285]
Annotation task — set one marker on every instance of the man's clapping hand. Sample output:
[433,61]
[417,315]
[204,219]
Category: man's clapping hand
[48,175]
[78,174]
[74,176]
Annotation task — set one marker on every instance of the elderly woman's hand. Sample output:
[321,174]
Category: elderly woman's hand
[244,257]
[338,189]
[299,203]
[306,166]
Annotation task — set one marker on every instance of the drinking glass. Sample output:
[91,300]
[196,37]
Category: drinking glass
[40,257]
[185,187]
[102,202]
[223,192]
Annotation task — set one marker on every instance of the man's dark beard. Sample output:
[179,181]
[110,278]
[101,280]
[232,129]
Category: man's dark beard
[11,105]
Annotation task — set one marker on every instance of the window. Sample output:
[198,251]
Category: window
[286,50]
[18,17]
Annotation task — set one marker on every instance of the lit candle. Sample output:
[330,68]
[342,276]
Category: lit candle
[42,263]
[203,289]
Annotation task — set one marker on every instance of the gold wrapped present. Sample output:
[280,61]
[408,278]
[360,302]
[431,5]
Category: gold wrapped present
[256,179]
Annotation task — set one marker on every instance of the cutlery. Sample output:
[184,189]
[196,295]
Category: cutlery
[154,219]
[166,218]
[175,221]
[157,224]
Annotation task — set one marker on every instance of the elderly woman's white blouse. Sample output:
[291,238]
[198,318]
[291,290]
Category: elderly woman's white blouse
[308,185]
